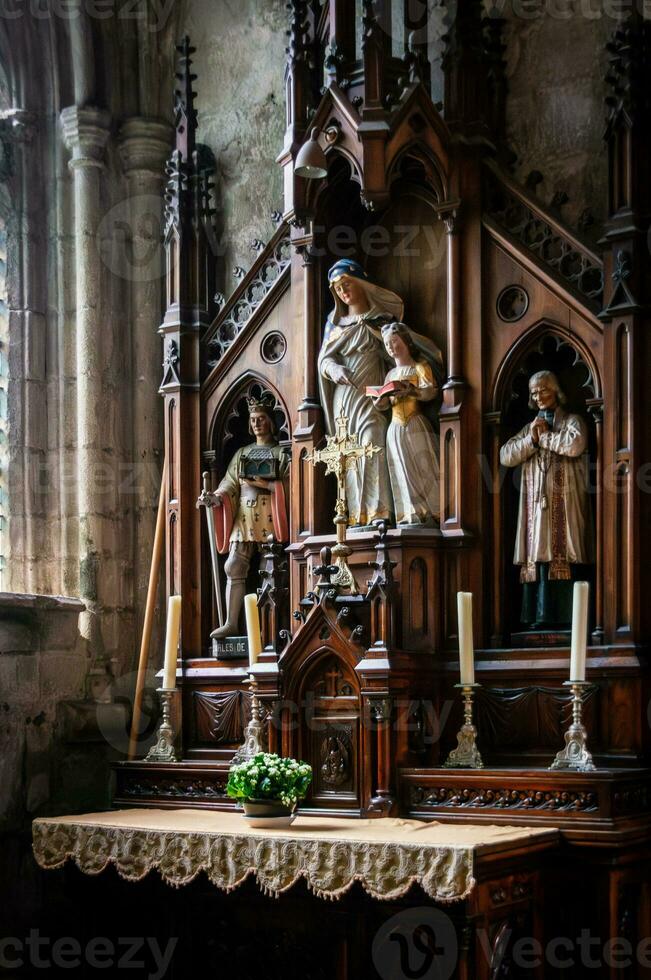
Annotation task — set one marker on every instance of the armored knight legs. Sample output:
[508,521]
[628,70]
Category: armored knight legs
[236,568]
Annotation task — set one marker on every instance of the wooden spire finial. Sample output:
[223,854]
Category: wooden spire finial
[185,114]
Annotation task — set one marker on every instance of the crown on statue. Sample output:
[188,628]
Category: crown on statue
[266,403]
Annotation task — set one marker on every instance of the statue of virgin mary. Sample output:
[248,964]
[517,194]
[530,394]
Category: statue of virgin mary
[353,357]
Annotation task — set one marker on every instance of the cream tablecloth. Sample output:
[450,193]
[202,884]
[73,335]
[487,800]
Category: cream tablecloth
[386,856]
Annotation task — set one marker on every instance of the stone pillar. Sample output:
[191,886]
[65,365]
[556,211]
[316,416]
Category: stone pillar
[86,131]
[144,147]
[23,355]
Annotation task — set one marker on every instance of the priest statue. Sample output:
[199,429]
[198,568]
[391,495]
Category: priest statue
[554,534]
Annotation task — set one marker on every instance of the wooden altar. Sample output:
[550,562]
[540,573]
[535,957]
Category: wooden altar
[458,885]
[504,288]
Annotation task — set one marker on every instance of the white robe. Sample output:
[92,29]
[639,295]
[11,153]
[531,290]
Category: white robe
[357,344]
[554,519]
[412,449]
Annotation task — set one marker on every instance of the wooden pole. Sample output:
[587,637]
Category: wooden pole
[154,575]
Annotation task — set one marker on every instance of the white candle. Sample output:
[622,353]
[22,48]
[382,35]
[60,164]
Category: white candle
[172,642]
[253,627]
[579,631]
[466,648]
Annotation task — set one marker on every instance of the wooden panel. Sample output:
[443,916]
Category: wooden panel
[407,250]
[333,754]
[531,717]
[449,466]
[418,598]
[219,717]
[329,734]
[623,380]
[622,544]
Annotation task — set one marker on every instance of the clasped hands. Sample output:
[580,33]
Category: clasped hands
[538,426]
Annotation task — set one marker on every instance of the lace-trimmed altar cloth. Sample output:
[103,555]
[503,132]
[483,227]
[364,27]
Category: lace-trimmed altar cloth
[386,856]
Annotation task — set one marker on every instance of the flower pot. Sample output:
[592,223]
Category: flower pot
[268,813]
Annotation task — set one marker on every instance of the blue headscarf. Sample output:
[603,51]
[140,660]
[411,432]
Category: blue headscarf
[346,267]
[383,300]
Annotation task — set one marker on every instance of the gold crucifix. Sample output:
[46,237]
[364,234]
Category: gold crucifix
[341,452]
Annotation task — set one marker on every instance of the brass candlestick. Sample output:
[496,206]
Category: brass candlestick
[253,733]
[466,755]
[163,748]
[575,755]
[342,551]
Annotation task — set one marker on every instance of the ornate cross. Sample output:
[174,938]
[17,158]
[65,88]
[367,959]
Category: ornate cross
[341,452]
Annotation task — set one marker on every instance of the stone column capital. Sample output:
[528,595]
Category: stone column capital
[145,145]
[85,132]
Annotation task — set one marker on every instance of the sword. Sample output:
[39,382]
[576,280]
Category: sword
[206,501]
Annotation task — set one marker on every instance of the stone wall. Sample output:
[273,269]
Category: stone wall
[555,62]
[46,761]
[556,66]
[85,288]
[83,206]
[57,742]
[240,62]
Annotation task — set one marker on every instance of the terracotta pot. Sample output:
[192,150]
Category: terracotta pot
[268,813]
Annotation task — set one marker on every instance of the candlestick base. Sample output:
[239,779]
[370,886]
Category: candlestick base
[253,733]
[466,755]
[343,577]
[575,755]
[163,748]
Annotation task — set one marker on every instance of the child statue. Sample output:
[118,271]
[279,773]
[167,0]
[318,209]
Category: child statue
[411,442]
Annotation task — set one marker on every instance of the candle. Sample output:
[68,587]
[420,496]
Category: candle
[579,631]
[253,627]
[466,648]
[172,642]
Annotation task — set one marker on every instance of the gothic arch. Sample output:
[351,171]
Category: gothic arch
[419,155]
[313,676]
[342,153]
[226,426]
[546,345]
[342,168]
[329,734]
[530,342]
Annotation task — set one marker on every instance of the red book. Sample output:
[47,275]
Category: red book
[387,389]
